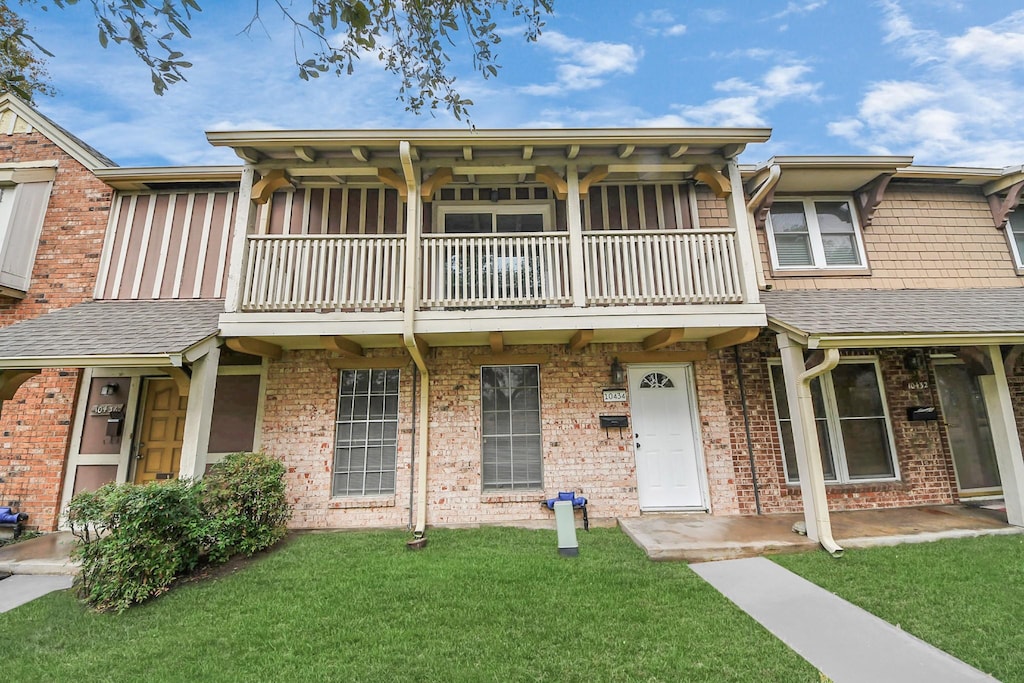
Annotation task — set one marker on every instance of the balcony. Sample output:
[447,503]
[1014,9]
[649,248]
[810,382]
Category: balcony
[324,273]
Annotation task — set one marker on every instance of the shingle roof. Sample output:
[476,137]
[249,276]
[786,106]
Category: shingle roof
[901,311]
[113,328]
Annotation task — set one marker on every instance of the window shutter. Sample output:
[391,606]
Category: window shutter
[21,238]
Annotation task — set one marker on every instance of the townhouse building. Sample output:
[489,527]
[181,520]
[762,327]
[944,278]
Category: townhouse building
[447,327]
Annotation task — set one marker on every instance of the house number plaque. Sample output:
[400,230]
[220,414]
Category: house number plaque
[614,395]
[917,385]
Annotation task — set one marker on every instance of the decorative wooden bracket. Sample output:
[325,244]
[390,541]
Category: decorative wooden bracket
[343,345]
[361,154]
[392,179]
[11,380]
[975,359]
[714,179]
[497,341]
[676,151]
[625,151]
[663,338]
[307,154]
[741,335]
[763,208]
[271,182]
[248,155]
[255,347]
[555,182]
[1012,357]
[596,175]
[1002,208]
[869,197]
[441,177]
[580,340]
[182,378]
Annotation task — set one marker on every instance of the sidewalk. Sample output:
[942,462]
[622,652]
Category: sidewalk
[843,641]
[47,554]
[19,589]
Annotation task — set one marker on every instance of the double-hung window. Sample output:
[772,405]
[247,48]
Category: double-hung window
[511,449]
[1016,235]
[815,233]
[366,440]
[490,217]
[852,421]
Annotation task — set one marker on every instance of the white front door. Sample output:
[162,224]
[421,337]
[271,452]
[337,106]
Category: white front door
[669,464]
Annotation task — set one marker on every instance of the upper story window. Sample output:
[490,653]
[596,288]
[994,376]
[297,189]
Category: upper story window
[488,217]
[1016,235]
[815,233]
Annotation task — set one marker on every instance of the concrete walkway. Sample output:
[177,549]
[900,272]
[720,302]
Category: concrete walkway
[843,641]
[19,589]
[46,554]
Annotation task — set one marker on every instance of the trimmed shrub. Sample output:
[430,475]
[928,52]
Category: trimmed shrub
[245,499]
[135,540]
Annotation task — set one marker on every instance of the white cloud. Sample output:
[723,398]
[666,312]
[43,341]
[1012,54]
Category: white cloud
[583,65]
[745,102]
[659,22]
[962,103]
[799,8]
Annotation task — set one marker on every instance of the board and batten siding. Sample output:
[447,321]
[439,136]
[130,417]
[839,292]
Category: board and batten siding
[332,211]
[167,245]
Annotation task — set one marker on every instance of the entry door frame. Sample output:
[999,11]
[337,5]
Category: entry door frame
[690,387]
[961,492]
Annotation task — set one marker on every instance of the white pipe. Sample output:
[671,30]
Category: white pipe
[816,477]
[413,221]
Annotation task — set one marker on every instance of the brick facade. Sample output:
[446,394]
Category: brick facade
[298,427]
[35,426]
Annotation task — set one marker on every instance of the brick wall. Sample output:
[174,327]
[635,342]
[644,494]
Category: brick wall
[298,427]
[923,236]
[35,426]
[925,465]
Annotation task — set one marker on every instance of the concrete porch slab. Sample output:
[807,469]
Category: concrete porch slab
[47,554]
[698,537]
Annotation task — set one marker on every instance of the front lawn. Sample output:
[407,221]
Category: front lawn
[964,596]
[491,604]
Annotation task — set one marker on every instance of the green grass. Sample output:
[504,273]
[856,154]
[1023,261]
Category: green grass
[963,596]
[491,604]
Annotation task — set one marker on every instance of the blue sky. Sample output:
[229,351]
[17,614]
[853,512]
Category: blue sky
[942,80]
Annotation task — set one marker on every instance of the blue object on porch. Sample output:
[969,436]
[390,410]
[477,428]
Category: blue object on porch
[578,503]
[9,517]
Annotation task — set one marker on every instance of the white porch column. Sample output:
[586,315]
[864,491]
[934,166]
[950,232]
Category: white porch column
[245,221]
[1005,437]
[574,219]
[748,258]
[805,439]
[199,412]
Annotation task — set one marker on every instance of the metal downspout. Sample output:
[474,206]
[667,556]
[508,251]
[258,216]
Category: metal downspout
[413,216]
[822,521]
[774,174]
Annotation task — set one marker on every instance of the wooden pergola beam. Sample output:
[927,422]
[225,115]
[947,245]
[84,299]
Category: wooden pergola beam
[255,347]
[343,345]
[663,338]
[662,356]
[741,335]
[580,340]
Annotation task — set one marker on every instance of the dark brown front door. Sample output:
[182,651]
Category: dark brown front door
[158,453]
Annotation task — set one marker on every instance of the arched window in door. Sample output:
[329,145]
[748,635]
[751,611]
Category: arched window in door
[656,380]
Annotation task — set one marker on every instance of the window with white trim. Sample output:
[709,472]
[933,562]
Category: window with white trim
[852,421]
[815,233]
[366,440]
[490,217]
[1016,235]
[510,407]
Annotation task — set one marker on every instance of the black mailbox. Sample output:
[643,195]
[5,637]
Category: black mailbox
[614,421]
[922,413]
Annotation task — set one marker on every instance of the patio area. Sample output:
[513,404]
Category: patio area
[698,537]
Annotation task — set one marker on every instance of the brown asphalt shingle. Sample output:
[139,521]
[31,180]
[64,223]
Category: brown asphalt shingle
[907,311]
[113,328]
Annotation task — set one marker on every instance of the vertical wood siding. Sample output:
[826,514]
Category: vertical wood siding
[332,211]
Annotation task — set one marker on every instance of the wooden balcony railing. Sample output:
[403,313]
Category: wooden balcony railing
[348,272]
[467,271]
[661,267]
[324,272]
